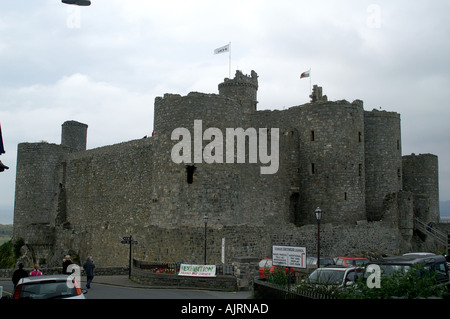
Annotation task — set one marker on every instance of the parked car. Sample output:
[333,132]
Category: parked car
[324,261]
[266,267]
[335,276]
[350,261]
[48,287]
[432,263]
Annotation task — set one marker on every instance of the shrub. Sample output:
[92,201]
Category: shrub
[415,283]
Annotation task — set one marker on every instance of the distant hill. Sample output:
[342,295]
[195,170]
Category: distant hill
[6,232]
[444,207]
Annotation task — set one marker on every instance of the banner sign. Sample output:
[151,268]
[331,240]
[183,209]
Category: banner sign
[288,256]
[197,270]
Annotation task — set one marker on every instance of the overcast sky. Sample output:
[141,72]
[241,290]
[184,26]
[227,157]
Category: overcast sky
[104,65]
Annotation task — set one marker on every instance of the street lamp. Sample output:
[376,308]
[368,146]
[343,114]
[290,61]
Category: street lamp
[205,219]
[318,213]
[77,2]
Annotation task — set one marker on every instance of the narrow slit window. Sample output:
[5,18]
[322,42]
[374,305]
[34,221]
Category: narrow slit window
[312,136]
[359,137]
[345,195]
[313,169]
[190,169]
[360,169]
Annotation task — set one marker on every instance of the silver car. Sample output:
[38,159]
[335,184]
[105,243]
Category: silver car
[340,277]
[48,287]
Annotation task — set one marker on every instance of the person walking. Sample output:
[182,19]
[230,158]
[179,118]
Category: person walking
[89,270]
[19,274]
[66,262]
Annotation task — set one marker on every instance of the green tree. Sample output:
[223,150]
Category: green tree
[7,259]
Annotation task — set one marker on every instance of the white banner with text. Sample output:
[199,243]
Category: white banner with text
[197,270]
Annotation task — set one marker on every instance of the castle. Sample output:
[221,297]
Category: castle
[332,154]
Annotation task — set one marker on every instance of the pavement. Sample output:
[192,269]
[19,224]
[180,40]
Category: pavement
[124,281]
[117,280]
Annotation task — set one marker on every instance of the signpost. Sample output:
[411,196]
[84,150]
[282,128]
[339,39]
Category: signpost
[287,256]
[129,241]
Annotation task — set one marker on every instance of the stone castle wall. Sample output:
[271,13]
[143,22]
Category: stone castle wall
[331,154]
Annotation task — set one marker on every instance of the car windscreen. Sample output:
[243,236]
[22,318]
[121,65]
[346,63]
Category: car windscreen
[47,290]
[327,276]
[387,270]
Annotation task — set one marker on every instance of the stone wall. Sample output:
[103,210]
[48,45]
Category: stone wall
[146,277]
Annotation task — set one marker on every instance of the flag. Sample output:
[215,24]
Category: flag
[305,74]
[2,149]
[225,48]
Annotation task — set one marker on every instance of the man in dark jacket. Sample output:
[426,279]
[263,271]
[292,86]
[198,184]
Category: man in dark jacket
[89,269]
[19,274]
[67,261]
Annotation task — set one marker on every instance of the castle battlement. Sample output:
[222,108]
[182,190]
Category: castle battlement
[241,80]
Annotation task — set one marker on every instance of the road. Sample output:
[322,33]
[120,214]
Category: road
[111,291]
[102,291]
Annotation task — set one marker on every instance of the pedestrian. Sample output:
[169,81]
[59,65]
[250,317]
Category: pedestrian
[89,270]
[19,274]
[36,271]
[67,261]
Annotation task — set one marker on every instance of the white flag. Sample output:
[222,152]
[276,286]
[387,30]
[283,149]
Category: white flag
[225,48]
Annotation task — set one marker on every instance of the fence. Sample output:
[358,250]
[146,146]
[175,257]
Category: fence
[266,290]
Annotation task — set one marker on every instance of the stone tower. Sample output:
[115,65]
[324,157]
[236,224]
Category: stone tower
[332,161]
[74,135]
[242,87]
[421,177]
[383,158]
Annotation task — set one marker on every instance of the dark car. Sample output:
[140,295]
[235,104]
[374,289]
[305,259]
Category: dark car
[431,263]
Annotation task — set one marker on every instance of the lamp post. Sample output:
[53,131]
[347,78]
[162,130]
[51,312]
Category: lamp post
[83,3]
[318,213]
[205,219]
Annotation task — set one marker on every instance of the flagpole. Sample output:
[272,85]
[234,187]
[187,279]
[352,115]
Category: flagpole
[229,63]
[310,88]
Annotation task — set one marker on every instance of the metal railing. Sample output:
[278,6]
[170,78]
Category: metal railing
[428,229]
[266,290]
